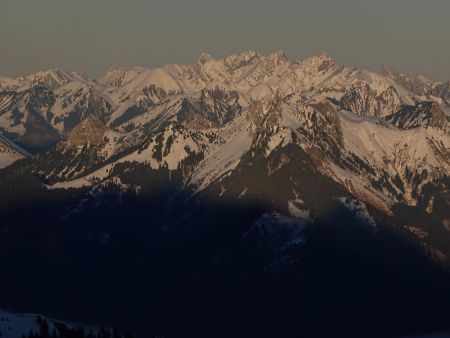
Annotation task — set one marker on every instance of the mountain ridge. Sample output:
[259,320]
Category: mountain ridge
[293,185]
[152,108]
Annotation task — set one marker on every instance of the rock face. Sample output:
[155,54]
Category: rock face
[363,100]
[89,131]
[442,91]
[423,114]
[332,127]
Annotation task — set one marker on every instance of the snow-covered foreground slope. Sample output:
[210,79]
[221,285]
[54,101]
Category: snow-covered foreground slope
[16,325]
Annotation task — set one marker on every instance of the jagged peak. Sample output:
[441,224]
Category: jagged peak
[119,70]
[80,74]
[114,70]
[279,56]
[57,72]
[393,73]
[244,56]
[388,70]
[321,61]
[424,78]
[321,56]
[418,84]
[250,53]
[205,58]
[53,78]
[117,76]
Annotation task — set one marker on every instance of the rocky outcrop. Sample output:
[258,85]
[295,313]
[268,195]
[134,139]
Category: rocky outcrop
[333,124]
[442,91]
[213,109]
[363,100]
[423,114]
[89,131]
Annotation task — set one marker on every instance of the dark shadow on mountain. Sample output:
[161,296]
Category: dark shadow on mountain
[164,262]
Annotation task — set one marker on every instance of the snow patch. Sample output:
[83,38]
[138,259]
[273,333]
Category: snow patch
[359,210]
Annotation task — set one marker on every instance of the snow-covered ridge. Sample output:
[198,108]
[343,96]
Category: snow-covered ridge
[242,70]
[364,126]
[52,78]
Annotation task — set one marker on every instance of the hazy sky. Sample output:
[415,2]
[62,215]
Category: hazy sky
[411,35]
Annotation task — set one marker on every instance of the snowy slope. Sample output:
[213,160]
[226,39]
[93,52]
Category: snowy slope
[9,152]
[120,95]
[117,77]
[378,134]
[386,146]
[52,78]
[14,325]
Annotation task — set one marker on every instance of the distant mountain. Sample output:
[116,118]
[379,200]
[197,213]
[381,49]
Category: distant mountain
[370,128]
[191,191]
[39,109]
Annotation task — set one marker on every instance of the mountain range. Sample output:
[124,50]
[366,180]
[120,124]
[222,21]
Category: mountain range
[248,168]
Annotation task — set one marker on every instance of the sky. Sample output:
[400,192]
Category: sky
[93,35]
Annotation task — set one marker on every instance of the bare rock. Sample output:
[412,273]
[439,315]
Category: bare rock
[89,131]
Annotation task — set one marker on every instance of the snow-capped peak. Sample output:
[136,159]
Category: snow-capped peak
[321,62]
[278,57]
[53,78]
[205,58]
[418,85]
[158,77]
[81,75]
[242,57]
[117,76]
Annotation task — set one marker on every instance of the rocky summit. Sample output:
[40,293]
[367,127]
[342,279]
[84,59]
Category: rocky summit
[88,132]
